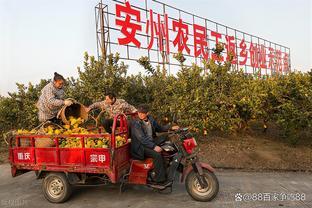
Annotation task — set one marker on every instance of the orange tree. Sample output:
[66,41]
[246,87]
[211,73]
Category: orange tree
[217,98]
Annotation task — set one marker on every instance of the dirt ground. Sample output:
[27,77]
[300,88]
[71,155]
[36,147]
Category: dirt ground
[256,150]
[247,152]
[3,155]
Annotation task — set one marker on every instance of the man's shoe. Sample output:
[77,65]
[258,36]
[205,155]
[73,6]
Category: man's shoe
[160,185]
[166,183]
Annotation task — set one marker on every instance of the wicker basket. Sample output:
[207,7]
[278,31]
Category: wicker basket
[75,110]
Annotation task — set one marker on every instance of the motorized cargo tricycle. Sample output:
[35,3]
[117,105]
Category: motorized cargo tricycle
[61,168]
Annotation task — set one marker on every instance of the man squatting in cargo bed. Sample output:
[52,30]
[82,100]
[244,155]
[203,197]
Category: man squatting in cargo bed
[112,106]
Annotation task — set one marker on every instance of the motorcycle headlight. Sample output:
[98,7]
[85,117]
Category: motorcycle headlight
[189,144]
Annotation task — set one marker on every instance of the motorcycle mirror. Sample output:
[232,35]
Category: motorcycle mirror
[174,119]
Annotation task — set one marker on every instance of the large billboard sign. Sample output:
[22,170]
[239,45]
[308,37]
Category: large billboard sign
[151,28]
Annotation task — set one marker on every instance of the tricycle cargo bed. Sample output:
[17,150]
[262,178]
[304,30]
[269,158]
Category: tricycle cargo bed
[112,161]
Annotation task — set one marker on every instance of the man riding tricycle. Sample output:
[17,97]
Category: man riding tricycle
[161,158]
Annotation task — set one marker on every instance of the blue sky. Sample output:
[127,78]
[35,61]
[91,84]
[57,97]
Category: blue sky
[39,37]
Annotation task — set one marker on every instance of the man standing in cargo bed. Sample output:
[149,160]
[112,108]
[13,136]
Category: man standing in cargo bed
[52,100]
[112,106]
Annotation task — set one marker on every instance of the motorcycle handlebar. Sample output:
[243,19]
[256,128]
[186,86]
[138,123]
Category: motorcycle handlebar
[180,130]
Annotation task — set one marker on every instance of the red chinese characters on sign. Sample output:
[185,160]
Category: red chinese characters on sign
[214,56]
[157,27]
[128,28]
[200,41]
[182,35]
[254,60]
[286,62]
[230,49]
[262,57]
[271,58]
[243,53]
[278,58]
[150,29]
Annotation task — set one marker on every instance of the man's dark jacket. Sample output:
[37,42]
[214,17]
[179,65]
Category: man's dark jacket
[140,139]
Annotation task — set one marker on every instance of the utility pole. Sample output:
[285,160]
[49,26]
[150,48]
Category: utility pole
[102,30]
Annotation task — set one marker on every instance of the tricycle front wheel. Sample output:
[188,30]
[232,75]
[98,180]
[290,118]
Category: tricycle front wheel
[56,188]
[199,193]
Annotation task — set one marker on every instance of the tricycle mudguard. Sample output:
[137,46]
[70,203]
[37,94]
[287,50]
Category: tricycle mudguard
[200,166]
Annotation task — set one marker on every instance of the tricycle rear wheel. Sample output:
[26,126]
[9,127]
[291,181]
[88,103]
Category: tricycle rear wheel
[56,188]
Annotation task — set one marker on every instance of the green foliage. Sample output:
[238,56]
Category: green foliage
[293,104]
[18,110]
[214,98]
[96,78]
[145,63]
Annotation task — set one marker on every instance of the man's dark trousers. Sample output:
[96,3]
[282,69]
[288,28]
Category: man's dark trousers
[158,162]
